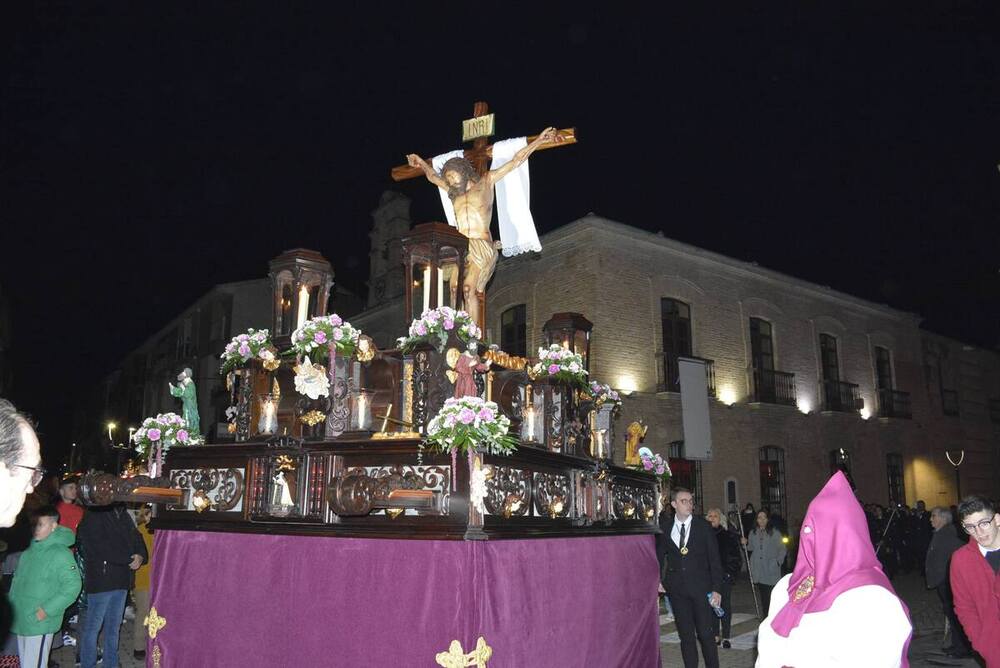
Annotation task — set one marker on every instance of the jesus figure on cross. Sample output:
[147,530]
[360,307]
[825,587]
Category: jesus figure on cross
[472,197]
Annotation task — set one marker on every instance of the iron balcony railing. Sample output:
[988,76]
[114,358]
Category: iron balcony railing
[671,373]
[841,397]
[894,404]
[773,387]
[949,402]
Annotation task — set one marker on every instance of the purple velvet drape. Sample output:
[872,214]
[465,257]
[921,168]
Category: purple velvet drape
[257,600]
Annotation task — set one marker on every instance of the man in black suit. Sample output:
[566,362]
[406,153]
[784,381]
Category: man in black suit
[693,571]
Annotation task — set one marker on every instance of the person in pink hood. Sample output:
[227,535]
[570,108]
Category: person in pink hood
[837,608]
[974,581]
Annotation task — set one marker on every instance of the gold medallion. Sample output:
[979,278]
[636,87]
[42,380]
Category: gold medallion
[684,550]
[804,589]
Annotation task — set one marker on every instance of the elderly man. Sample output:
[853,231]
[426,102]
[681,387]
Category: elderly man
[20,456]
[974,581]
[944,542]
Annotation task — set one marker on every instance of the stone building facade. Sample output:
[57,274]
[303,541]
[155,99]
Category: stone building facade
[806,379]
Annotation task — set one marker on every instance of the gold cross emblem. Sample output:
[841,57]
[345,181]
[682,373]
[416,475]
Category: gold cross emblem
[456,658]
[154,623]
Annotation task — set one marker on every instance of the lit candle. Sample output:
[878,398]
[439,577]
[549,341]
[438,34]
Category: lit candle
[268,422]
[440,299]
[599,443]
[364,413]
[528,425]
[427,287]
[303,313]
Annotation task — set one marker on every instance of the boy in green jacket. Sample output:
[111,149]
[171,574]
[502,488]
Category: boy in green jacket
[45,583]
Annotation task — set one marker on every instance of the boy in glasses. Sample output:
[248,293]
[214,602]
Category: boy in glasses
[974,580]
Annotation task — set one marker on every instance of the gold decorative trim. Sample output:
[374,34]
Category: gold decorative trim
[804,589]
[456,657]
[312,418]
[154,623]
[157,655]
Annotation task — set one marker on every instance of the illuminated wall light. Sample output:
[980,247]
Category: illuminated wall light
[627,385]
[865,413]
[727,395]
[805,406]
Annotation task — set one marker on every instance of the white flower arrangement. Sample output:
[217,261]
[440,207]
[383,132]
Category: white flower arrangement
[255,344]
[469,423]
[165,430]
[602,394]
[315,335]
[558,363]
[654,463]
[433,326]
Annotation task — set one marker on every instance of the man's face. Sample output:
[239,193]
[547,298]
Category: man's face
[15,482]
[936,521]
[986,535]
[44,527]
[682,505]
[68,492]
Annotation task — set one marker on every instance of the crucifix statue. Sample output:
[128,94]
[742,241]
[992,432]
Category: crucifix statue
[469,185]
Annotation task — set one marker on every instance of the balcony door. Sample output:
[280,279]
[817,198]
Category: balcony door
[762,358]
[676,319]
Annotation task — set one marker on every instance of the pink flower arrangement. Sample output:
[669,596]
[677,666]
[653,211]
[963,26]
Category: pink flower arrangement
[314,336]
[164,431]
[434,326]
[469,423]
[559,364]
[255,344]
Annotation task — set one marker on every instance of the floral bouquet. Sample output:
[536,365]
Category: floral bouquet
[315,335]
[602,394]
[157,435]
[557,363]
[469,423]
[433,326]
[653,463]
[255,344]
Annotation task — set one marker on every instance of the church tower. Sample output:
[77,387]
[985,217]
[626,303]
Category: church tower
[391,220]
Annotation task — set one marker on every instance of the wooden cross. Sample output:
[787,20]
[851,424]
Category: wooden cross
[479,155]
[481,150]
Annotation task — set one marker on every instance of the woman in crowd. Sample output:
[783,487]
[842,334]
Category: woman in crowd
[729,555]
[767,553]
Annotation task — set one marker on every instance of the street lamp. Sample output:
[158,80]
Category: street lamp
[111,427]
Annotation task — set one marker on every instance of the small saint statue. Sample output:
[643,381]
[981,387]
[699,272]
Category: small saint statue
[636,432]
[282,495]
[185,389]
[466,366]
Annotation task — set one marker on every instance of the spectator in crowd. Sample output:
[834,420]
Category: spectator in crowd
[974,581]
[943,544]
[141,589]
[45,583]
[767,553]
[111,549]
[748,518]
[20,459]
[732,562]
[70,510]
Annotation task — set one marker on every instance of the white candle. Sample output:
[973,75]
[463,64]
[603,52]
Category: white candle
[362,413]
[303,313]
[528,425]
[427,288]
[440,299]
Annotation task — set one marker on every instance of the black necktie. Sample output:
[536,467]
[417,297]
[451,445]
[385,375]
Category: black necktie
[681,546]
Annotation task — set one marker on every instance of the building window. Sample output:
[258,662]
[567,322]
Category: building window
[514,331]
[675,317]
[685,472]
[761,345]
[883,368]
[772,480]
[828,357]
[894,471]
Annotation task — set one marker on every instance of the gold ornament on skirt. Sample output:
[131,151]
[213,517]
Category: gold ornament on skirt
[154,623]
[455,657]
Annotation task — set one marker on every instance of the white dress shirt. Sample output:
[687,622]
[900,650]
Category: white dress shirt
[675,533]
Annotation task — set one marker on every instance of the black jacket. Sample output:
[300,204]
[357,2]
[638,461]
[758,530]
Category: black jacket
[699,571]
[729,554]
[943,543]
[107,539]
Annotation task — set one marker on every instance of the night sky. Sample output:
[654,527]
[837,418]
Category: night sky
[150,150]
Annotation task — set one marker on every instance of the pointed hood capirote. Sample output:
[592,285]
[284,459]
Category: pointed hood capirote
[835,555]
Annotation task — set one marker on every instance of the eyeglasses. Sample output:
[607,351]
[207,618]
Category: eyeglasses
[37,476]
[978,526]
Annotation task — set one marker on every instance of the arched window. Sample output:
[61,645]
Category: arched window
[894,472]
[514,331]
[772,480]
[675,317]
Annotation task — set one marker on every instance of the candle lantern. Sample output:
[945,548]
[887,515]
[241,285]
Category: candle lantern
[532,417]
[267,425]
[572,332]
[434,260]
[301,281]
[361,410]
